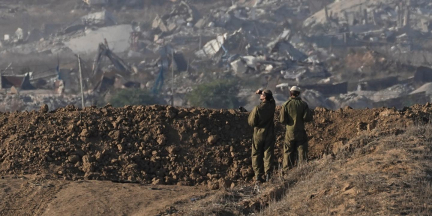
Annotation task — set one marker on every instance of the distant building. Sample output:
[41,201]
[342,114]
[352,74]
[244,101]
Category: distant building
[96,2]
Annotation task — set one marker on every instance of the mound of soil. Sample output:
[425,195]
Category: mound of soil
[163,144]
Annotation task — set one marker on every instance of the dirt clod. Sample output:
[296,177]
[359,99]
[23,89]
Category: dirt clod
[212,139]
[44,108]
[166,145]
[73,159]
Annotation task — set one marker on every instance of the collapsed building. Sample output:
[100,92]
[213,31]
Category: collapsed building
[347,53]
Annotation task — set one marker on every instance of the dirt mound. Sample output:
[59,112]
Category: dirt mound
[153,144]
[163,144]
[332,129]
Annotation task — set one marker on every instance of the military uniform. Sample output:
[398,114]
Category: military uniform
[294,114]
[262,119]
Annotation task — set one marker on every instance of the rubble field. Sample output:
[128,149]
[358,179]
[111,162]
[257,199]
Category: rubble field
[167,145]
[353,53]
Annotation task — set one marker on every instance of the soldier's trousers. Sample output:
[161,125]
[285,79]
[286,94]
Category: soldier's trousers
[295,152]
[262,156]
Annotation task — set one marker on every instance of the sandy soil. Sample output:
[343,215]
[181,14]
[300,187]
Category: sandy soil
[33,195]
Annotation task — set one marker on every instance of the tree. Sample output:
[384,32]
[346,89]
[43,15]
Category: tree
[219,94]
[132,97]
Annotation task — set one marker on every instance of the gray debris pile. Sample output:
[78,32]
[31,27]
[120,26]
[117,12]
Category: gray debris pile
[34,100]
[354,53]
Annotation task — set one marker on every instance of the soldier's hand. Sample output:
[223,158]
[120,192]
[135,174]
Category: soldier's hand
[258,91]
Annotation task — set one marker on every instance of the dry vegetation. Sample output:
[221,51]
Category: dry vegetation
[371,175]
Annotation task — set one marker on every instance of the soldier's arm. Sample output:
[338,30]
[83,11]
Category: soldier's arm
[308,114]
[283,118]
[253,117]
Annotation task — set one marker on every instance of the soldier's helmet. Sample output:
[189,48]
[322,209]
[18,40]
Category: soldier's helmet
[295,89]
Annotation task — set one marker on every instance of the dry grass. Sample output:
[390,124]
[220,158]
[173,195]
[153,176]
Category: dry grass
[375,173]
[219,204]
[371,175]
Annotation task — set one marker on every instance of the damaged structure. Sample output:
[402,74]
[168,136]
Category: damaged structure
[347,53]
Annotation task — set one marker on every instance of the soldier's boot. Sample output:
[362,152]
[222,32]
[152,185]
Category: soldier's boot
[259,179]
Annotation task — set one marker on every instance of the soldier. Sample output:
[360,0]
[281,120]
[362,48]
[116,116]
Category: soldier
[294,114]
[261,118]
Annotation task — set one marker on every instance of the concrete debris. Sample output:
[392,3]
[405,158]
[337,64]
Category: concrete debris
[182,14]
[33,100]
[285,48]
[251,61]
[103,18]
[392,92]
[20,34]
[354,53]
[96,2]
[238,67]
[221,45]
[158,24]
[352,99]
[117,37]
[283,86]
[212,47]
[426,88]
[316,99]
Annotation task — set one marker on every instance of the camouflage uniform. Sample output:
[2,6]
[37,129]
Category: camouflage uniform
[262,119]
[294,114]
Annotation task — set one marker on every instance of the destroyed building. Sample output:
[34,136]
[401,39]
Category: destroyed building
[341,53]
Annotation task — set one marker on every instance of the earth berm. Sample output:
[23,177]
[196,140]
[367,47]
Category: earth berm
[164,145]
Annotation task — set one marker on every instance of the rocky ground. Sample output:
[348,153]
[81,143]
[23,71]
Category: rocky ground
[165,145]
[162,145]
